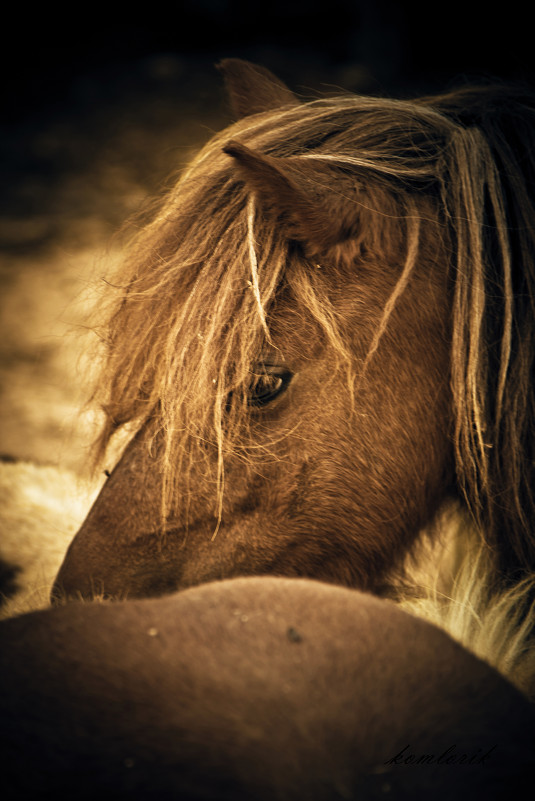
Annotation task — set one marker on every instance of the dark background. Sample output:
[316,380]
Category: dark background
[50,54]
[134,88]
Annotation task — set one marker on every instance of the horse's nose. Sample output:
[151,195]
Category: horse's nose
[69,585]
[83,575]
[92,570]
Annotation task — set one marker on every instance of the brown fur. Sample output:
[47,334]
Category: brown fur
[254,689]
[379,250]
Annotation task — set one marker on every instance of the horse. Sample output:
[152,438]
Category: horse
[253,689]
[320,340]
[321,345]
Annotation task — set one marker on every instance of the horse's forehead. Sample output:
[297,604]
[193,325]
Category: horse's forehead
[291,344]
[294,329]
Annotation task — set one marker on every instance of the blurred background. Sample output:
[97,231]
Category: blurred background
[101,104]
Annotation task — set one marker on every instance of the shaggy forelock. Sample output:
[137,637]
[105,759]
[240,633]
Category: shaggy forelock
[198,286]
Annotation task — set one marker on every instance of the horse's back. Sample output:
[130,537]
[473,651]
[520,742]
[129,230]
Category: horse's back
[257,688]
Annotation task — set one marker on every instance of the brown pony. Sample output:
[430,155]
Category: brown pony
[323,336]
[254,689]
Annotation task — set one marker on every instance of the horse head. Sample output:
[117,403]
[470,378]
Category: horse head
[323,335]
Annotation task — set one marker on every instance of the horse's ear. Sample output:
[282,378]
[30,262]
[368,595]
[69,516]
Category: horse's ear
[300,192]
[253,89]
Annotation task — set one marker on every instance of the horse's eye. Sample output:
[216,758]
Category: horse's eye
[268,384]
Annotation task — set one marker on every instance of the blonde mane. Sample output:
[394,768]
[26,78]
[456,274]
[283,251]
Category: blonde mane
[202,286]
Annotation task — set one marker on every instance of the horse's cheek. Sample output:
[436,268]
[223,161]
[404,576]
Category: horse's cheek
[336,500]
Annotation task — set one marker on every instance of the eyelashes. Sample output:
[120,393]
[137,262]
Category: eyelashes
[268,383]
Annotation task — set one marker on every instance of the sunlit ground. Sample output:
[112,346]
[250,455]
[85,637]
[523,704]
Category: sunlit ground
[76,175]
